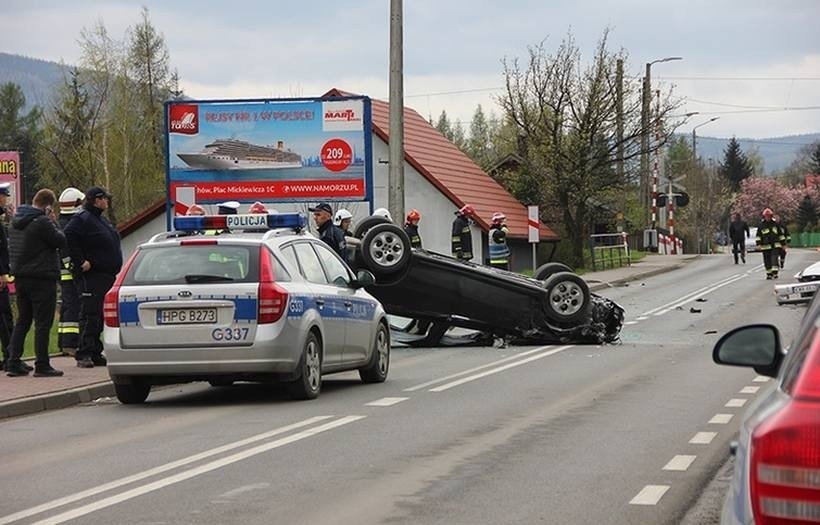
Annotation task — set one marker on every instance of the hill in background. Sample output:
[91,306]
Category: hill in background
[37,79]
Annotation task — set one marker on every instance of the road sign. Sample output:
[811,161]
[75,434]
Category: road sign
[533,224]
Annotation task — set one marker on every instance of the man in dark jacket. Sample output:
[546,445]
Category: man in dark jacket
[96,256]
[34,241]
[462,240]
[6,318]
[329,232]
[738,233]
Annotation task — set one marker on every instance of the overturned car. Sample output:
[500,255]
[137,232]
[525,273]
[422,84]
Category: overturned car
[438,291]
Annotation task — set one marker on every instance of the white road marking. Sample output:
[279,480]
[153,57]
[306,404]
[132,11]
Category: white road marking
[631,322]
[749,390]
[679,463]
[470,371]
[196,471]
[692,295]
[649,495]
[690,299]
[154,471]
[721,419]
[497,370]
[703,438]
[760,379]
[386,401]
[642,318]
[735,403]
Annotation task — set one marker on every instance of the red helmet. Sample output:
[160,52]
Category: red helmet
[466,210]
[498,217]
[195,209]
[257,207]
[413,215]
[768,212]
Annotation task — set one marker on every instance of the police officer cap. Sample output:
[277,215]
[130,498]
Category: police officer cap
[5,189]
[228,208]
[96,192]
[322,206]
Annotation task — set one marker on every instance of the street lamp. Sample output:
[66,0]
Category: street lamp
[647,97]
[694,139]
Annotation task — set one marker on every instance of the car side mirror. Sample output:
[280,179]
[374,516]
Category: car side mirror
[756,346]
[364,278]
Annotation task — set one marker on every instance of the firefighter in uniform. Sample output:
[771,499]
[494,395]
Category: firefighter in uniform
[68,328]
[411,228]
[787,238]
[462,240]
[343,220]
[499,251]
[769,240]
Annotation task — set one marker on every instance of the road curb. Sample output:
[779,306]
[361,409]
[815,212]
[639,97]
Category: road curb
[644,275]
[54,400]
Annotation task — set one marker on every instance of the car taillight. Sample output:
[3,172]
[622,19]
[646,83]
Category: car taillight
[273,299]
[785,454]
[111,302]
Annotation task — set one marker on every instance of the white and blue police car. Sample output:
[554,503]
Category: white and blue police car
[241,298]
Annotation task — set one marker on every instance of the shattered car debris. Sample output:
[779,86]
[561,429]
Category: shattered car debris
[808,281]
[438,291]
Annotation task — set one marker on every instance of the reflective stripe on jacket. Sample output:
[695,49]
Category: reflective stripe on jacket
[499,251]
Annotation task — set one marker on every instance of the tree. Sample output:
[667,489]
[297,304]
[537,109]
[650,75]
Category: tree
[20,133]
[758,193]
[807,214]
[478,145]
[735,166]
[565,117]
[814,161]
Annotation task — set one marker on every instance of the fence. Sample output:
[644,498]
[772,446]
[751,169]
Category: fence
[805,239]
[669,246]
[610,249]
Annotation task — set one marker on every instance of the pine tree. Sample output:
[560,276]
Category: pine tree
[807,215]
[814,161]
[735,166]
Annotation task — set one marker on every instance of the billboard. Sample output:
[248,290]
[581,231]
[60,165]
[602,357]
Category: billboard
[278,150]
[10,172]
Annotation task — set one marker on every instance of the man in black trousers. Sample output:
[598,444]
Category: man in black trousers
[6,317]
[96,256]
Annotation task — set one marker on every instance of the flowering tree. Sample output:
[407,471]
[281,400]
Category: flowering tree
[758,193]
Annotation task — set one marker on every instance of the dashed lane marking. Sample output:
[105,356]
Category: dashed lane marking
[649,495]
[386,401]
[679,463]
[760,379]
[721,419]
[703,438]
[735,403]
[631,322]
[749,390]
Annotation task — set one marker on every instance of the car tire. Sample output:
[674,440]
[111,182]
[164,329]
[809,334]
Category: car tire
[385,249]
[133,393]
[220,382]
[567,300]
[376,369]
[361,228]
[545,271]
[309,383]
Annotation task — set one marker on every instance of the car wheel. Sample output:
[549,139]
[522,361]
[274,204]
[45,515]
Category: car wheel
[545,271]
[362,227]
[133,393]
[376,370]
[309,383]
[220,382]
[385,249]
[567,299]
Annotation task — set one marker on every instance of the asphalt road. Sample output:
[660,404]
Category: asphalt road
[629,433]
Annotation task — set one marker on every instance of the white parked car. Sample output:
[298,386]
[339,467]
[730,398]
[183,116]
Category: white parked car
[750,241]
[808,281]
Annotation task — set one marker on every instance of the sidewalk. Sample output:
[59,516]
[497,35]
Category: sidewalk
[27,395]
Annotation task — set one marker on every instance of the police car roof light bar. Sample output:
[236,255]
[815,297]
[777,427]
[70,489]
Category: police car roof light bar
[294,221]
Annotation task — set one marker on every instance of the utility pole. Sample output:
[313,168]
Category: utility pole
[395,183]
[619,116]
[694,137]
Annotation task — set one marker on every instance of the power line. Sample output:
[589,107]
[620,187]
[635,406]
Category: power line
[752,79]
[758,141]
[804,108]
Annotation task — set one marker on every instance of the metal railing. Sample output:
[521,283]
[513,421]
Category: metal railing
[609,250]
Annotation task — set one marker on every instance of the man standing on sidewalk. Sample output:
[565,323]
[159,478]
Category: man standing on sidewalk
[6,318]
[96,256]
[34,241]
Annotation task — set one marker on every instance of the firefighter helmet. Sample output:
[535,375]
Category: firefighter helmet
[195,209]
[498,217]
[258,207]
[71,200]
[382,212]
[466,210]
[341,215]
[413,215]
[768,212]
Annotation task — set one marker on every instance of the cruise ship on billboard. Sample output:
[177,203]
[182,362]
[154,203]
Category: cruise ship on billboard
[231,154]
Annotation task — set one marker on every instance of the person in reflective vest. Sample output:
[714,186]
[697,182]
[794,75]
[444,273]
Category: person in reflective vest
[769,241]
[787,238]
[499,251]
[462,240]
[411,228]
[68,327]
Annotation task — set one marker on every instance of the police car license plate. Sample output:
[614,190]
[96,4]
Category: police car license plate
[186,316]
[805,288]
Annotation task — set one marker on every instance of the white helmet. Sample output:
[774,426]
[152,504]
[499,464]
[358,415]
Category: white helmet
[382,212]
[71,200]
[341,215]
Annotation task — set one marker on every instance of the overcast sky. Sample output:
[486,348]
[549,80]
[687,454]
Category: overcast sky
[743,60]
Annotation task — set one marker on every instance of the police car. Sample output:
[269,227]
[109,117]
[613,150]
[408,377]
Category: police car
[808,281]
[241,298]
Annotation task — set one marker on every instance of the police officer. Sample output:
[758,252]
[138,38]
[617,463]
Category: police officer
[411,228]
[6,318]
[462,240]
[329,232]
[228,208]
[769,240]
[68,328]
[499,251]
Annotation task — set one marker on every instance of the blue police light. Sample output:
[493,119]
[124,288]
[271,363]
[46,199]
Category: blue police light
[294,221]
